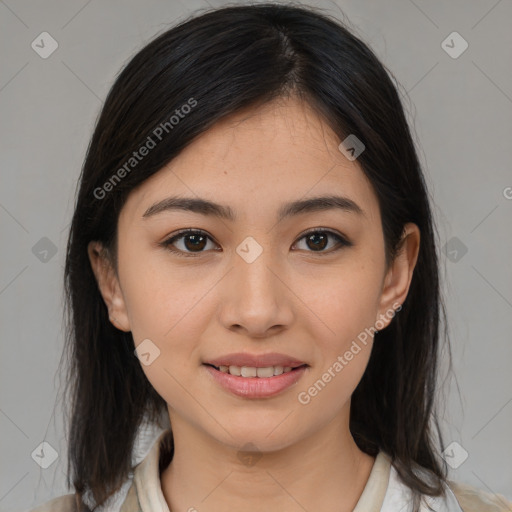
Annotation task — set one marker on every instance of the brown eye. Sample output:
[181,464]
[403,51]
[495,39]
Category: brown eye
[318,239]
[192,241]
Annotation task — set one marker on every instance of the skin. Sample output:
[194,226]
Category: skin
[292,299]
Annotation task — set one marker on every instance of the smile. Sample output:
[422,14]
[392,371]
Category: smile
[253,371]
[255,382]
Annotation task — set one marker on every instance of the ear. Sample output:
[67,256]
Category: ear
[398,277]
[108,283]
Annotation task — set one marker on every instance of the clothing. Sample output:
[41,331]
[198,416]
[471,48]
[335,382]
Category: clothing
[384,492]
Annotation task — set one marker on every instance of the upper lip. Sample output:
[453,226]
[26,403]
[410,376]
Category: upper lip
[256,360]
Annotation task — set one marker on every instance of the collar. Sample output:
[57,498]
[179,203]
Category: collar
[375,489]
[146,478]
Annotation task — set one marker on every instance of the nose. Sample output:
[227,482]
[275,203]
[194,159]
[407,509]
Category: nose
[256,298]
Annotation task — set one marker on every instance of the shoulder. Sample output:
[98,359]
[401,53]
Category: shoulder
[64,503]
[459,497]
[67,503]
[472,499]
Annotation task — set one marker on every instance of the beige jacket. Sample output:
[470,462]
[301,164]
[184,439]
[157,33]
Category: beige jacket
[384,492]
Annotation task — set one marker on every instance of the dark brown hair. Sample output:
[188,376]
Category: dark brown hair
[226,60]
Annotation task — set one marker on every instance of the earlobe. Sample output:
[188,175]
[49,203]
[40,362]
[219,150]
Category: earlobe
[108,285]
[399,276]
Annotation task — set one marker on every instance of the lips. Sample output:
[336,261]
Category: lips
[256,361]
[256,387]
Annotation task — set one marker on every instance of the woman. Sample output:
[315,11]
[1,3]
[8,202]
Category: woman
[252,269]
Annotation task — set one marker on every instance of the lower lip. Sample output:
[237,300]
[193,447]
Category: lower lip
[256,387]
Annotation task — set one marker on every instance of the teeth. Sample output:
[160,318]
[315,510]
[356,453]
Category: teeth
[251,371]
[248,371]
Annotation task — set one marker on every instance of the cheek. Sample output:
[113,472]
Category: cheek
[342,303]
[159,298]
[166,308]
[343,344]
[345,307]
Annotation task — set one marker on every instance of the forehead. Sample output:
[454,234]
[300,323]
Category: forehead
[256,160]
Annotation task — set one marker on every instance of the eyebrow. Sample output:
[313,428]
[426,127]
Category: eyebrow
[209,208]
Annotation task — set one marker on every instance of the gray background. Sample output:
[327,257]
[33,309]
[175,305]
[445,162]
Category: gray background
[460,109]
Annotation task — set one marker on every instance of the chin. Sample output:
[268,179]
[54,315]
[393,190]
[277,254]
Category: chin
[265,435]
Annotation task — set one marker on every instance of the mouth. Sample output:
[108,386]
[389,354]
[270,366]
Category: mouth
[254,371]
[255,382]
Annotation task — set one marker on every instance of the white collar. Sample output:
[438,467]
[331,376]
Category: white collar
[399,497]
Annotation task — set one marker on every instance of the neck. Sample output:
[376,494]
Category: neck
[325,470]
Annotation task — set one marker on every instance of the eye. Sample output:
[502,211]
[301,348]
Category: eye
[193,241]
[318,240]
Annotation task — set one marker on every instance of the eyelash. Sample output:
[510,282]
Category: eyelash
[342,242]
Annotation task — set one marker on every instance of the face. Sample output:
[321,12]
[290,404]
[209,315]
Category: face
[256,283]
